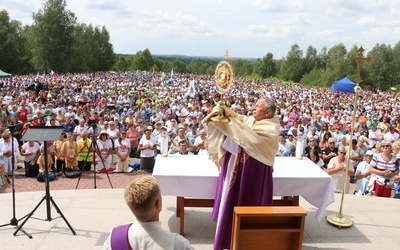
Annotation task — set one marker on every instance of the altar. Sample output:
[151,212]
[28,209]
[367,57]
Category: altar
[193,179]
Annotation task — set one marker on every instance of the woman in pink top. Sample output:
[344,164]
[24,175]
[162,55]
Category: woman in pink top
[132,134]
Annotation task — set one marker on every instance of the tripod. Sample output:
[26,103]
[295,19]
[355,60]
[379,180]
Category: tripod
[45,134]
[93,148]
[14,221]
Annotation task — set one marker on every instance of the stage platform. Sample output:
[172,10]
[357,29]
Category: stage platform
[92,214]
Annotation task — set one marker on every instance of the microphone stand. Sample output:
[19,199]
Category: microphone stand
[95,148]
[45,134]
[14,221]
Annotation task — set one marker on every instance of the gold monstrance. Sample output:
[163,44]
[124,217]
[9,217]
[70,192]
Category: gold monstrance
[224,75]
[340,220]
[223,80]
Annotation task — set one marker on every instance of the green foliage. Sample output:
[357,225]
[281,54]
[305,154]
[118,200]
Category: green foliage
[293,68]
[54,42]
[122,63]
[380,71]
[105,56]
[270,67]
[13,52]
[242,68]
[313,78]
[310,61]
[52,37]
[179,66]
[395,66]
[143,60]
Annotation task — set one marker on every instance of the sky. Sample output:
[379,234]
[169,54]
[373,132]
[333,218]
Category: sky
[247,28]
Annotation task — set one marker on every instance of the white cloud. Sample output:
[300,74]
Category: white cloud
[366,21]
[104,5]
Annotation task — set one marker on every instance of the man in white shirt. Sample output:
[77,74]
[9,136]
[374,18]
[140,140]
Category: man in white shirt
[112,131]
[391,135]
[79,129]
[373,136]
[199,141]
[70,112]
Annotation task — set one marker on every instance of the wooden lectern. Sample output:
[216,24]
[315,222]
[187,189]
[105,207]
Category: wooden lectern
[268,228]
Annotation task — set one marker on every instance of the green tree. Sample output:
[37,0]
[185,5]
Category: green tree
[143,60]
[139,63]
[122,63]
[313,78]
[258,69]
[179,66]
[13,51]
[106,56]
[395,66]
[311,59]
[82,53]
[242,68]
[198,66]
[92,50]
[338,65]
[157,64]
[292,67]
[379,68]
[322,58]
[53,37]
[149,58]
[269,66]
[211,69]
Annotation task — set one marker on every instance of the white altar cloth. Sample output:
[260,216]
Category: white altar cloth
[196,177]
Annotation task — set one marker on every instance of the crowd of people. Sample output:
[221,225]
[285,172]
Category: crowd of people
[131,114]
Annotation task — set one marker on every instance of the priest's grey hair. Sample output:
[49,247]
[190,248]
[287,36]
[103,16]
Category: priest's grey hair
[269,104]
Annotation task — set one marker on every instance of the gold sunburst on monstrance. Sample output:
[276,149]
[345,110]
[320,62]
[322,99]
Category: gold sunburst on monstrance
[224,75]
[223,80]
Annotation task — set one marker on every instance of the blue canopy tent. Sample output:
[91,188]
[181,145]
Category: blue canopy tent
[343,85]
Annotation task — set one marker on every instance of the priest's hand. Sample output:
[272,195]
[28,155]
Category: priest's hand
[218,114]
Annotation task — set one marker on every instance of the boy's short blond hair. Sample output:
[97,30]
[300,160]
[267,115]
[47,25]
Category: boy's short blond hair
[141,195]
